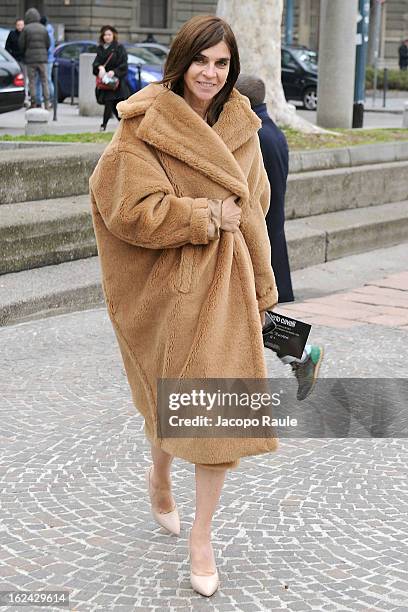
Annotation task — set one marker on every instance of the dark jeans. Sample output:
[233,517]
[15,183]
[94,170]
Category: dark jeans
[110,107]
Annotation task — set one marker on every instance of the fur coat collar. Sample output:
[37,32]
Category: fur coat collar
[168,121]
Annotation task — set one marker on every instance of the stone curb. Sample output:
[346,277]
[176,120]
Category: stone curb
[360,155]
[75,285]
[65,169]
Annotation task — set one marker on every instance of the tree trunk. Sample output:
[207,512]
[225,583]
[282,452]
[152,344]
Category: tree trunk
[257,27]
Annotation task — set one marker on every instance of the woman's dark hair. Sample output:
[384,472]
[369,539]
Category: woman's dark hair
[195,35]
[104,29]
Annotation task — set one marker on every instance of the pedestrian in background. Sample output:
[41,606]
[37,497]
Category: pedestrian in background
[179,199]
[403,55]
[13,48]
[275,155]
[34,43]
[150,38]
[110,60]
[50,30]
[12,45]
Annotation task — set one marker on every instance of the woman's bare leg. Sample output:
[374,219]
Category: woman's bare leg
[160,481]
[209,485]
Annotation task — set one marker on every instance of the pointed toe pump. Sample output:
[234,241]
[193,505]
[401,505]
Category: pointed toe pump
[205,585]
[168,520]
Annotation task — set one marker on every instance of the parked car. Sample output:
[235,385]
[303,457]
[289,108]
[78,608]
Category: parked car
[144,55]
[11,83]
[160,51]
[67,54]
[299,75]
[143,67]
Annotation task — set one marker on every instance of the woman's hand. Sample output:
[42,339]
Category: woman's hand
[101,71]
[231,214]
[111,73]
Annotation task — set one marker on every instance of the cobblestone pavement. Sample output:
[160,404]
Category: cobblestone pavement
[318,525]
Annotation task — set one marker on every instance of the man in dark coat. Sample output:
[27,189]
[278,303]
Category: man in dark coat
[275,155]
[276,161]
[403,55]
[13,48]
[12,41]
[34,43]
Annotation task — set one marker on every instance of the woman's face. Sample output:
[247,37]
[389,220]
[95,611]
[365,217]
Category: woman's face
[108,36]
[208,72]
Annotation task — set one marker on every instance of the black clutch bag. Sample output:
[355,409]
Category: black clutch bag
[269,325]
[284,335]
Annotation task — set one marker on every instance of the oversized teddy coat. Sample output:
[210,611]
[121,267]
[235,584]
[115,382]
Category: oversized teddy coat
[183,305]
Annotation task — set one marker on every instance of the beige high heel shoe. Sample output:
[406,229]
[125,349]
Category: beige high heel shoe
[204,584]
[169,520]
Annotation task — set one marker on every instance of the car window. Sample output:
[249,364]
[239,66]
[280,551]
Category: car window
[135,59]
[287,60]
[3,36]
[157,52]
[306,58]
[71,52]
[92,49]
[143,56]
[4,57]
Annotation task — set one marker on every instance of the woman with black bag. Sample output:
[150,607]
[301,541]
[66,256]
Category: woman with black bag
[110,67]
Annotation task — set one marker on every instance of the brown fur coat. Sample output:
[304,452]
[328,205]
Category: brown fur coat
[183,305]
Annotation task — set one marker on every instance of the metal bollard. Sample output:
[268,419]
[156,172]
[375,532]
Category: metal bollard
[55,98]
[72,81]
[385,87]
[405,116]
[139,73]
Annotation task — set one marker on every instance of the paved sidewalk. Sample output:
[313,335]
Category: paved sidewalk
[322,524]
[381,302]
[68,121]
[394,101]
[372,119]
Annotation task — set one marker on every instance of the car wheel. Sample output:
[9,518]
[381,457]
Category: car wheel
[310,99]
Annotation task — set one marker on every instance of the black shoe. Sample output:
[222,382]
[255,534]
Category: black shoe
[102,128]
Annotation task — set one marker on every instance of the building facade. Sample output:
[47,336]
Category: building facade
[394,27]
[134,19]
[78,19]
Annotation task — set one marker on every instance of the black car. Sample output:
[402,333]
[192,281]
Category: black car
[11,83]
[299,75]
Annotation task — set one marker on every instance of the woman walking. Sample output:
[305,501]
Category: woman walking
[110,60]
[179,199]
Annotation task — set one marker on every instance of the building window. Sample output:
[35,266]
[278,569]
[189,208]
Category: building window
[153,14]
